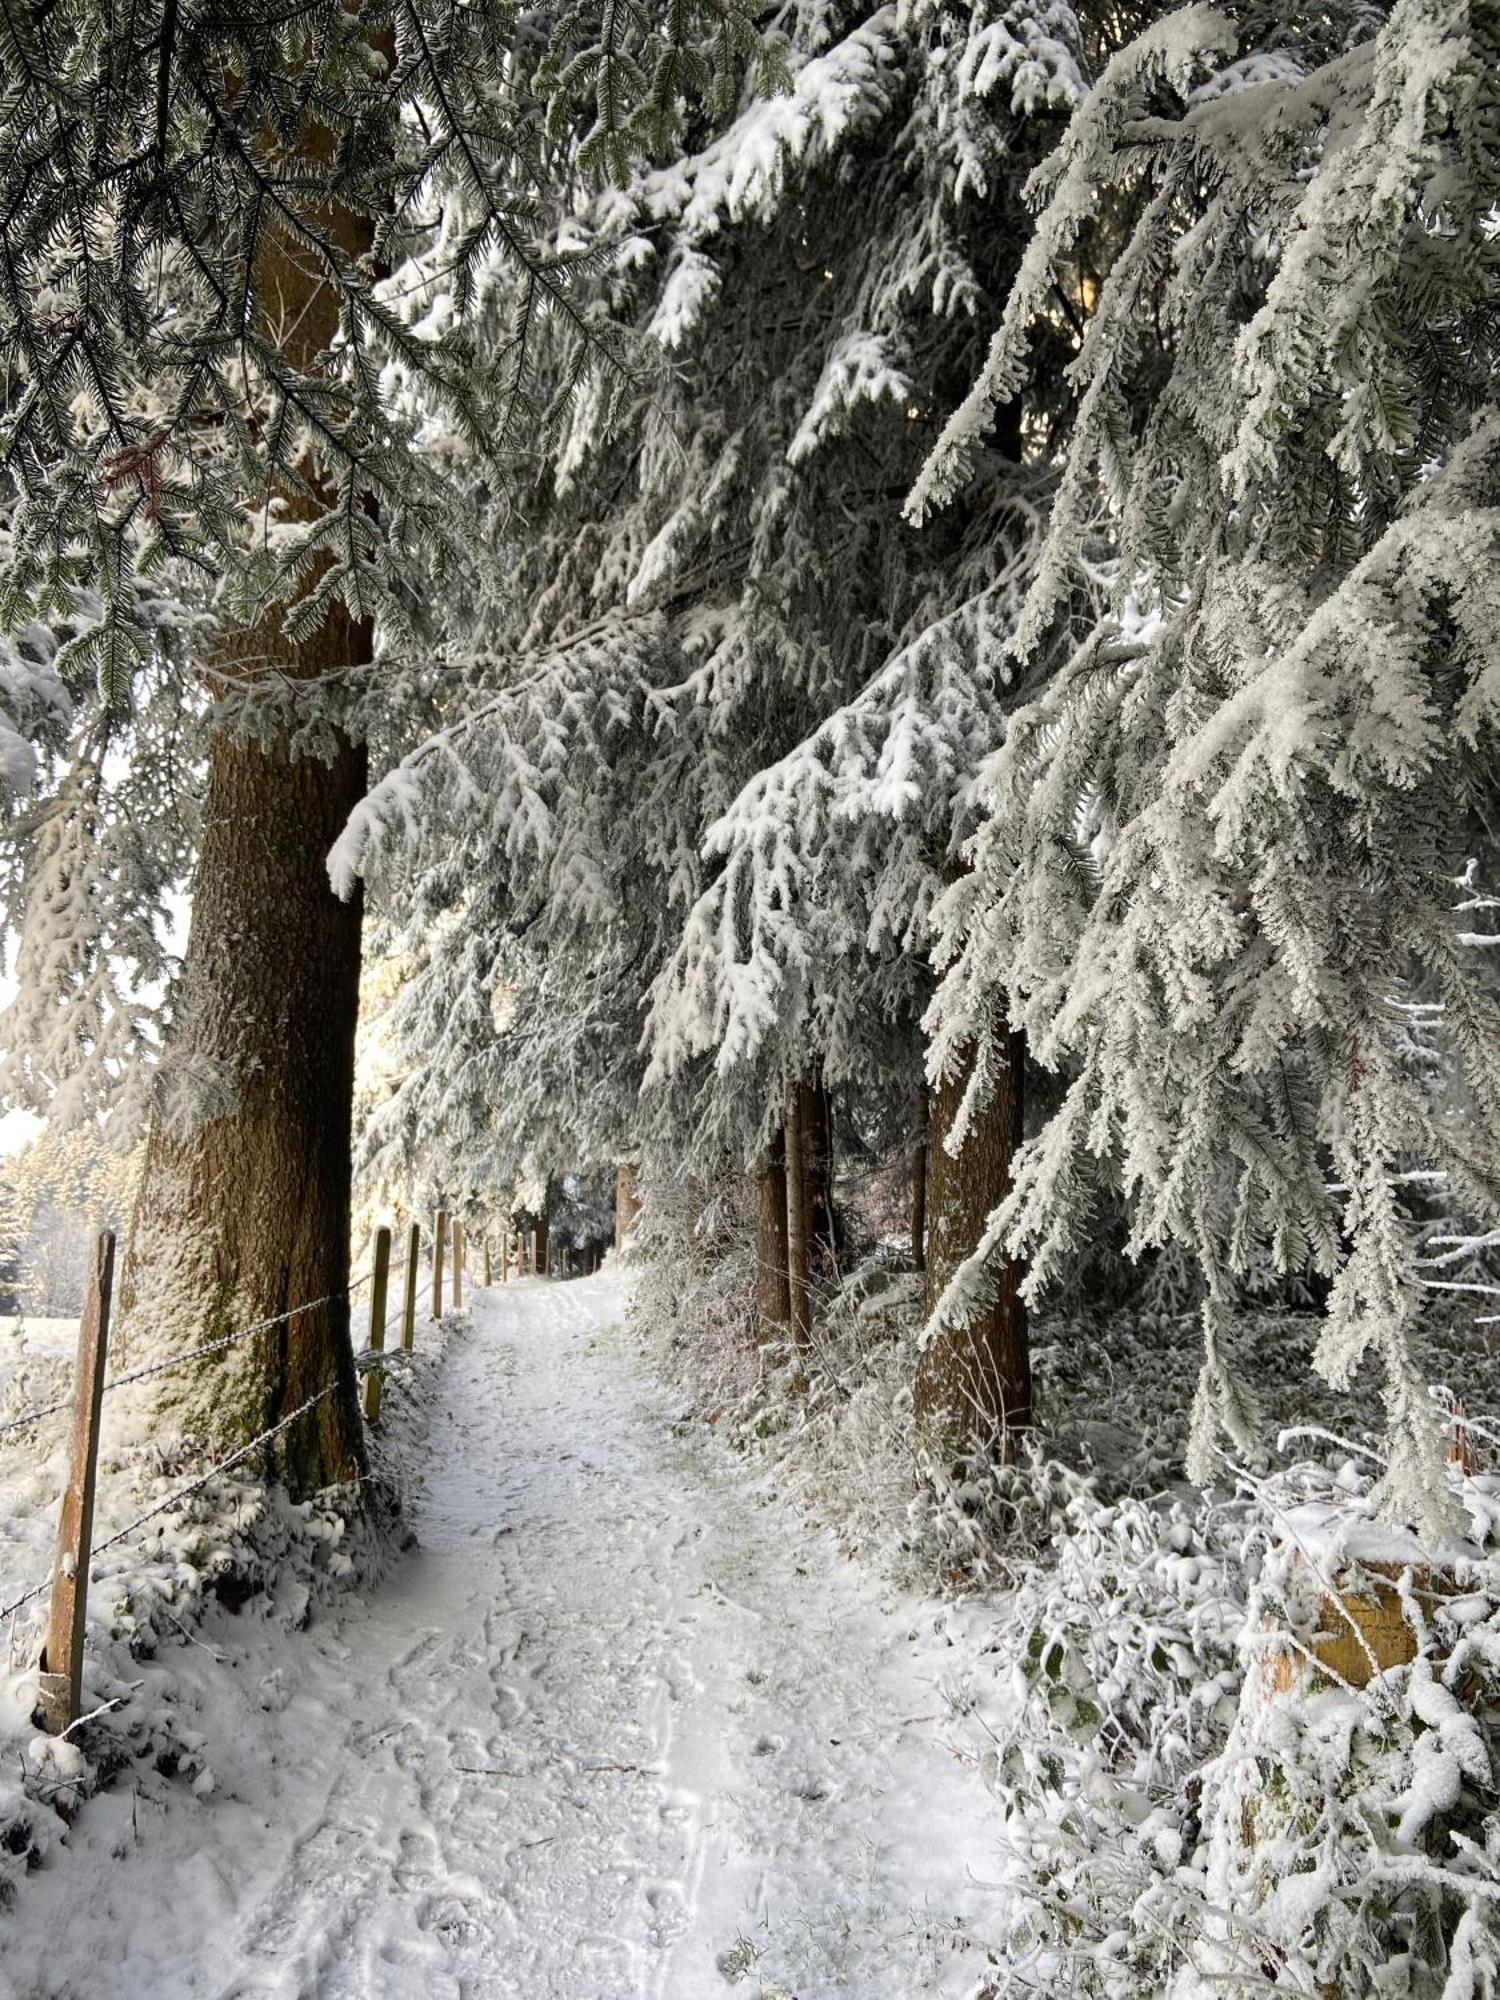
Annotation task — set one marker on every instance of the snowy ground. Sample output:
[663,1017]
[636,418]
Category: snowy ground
[618,1728]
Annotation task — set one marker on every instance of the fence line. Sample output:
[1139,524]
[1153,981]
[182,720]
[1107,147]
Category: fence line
[364,1360]
[16,1604]
[201,1479]
[69,1579]
[176,1361]
[35,1416]
[229,1340]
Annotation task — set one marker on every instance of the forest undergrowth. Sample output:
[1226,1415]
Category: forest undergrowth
[1244,1733]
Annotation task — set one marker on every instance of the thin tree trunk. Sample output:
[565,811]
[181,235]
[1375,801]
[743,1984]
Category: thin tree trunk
[243,1209]
[822,1223]
[919,1185]
[974,1382]
[773,1295]
[798,1297]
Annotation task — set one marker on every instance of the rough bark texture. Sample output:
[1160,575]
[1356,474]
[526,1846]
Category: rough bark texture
[243,1214]
[974,1382]
[773,1297]
[919,1192]
[817,1126]
[627,1200]
[243,1211]
[797,1216]
[541,1262]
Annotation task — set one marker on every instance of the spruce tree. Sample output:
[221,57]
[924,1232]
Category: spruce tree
[205,364]
[1214,878]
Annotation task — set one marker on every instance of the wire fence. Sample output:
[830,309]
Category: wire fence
[190,1354]
[68,1579]
[371,1356]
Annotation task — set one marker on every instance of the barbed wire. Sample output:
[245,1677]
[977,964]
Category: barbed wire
[367,1358]
[35,1416]
[18,1603]
[175,1361]
[200,1480]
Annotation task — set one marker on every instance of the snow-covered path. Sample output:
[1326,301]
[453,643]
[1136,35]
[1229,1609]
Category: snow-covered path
[618,1729]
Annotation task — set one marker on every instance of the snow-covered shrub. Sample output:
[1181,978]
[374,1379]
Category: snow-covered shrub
[696,1298]
[1203,1797]
[1248,1744]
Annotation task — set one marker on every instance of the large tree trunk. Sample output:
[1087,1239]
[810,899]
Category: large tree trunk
[243,1211]
[773,1294]
[974,1382]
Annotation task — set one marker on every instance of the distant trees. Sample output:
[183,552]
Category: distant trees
[54,1193]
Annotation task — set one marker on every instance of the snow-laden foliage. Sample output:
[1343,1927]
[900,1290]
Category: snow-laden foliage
[34,705]
[812,932]
[161,174]
[809,281]
[88,867]
[1212,875]
[1212,1787]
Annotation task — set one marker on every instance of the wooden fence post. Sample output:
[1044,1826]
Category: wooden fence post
[379,1285]
[458,1267]
[488,1274]
[409,1314]
[62,1657]
[505,1255]
[439,1240]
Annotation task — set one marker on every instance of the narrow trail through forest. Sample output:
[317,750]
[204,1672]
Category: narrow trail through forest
[618,1728]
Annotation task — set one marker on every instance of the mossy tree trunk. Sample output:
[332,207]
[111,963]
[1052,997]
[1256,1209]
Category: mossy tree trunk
[974,1382]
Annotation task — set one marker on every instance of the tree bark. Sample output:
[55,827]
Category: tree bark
[243,1209]
[540,1260]
[974,1382]
[627,1200]
[798,1296]
[773,1295]
[919,1187]
[817,1125]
